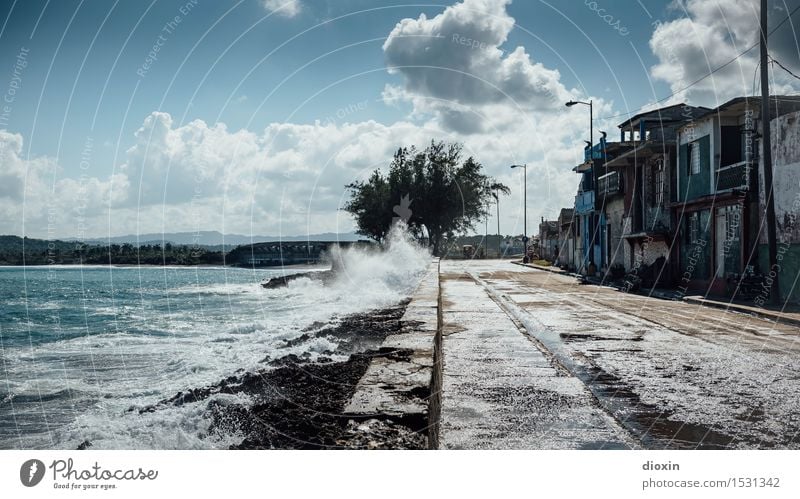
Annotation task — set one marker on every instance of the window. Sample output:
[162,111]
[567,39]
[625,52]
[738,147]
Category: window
[658,182]
[694,158]
[693,228]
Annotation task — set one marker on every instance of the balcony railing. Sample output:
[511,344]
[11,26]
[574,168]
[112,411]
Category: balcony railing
[609,184]
[735,176]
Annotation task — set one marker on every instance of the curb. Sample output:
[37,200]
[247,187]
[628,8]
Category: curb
[743,309]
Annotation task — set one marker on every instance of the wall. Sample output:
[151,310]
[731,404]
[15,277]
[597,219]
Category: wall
[786,175]
[700,184]
[615,212]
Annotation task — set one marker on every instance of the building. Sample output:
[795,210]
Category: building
[588,252]
[566,239]
[637,188]
[716,209]
[548,240]
[785,138]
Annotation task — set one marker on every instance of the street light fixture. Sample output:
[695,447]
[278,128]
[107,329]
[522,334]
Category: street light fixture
[591,117]
[525,229]
[591,153]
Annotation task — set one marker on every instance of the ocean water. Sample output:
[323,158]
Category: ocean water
[80,345]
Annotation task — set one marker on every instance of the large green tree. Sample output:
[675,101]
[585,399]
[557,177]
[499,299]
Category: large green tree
[435,193]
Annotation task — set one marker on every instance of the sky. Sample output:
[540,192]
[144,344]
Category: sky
[250,116]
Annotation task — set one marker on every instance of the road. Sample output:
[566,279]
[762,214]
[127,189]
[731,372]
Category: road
[666,373]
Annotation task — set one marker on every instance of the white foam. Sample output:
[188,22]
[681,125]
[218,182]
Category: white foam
[207,333]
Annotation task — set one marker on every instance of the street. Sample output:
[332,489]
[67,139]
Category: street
[652,373]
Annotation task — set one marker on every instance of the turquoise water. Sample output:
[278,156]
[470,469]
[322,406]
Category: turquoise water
[80,346]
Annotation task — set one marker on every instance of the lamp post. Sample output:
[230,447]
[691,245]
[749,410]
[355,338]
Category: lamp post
[591,158]
[525,228]
[486,234]
[499,239]
[591,118]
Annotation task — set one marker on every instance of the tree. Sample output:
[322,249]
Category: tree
[432,191]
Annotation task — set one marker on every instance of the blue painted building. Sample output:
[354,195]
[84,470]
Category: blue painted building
[590,221]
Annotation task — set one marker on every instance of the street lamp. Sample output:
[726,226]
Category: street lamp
[525,229]
[591,158]
[499,239]
[591,117]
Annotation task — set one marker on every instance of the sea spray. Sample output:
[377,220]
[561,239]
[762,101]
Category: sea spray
[392,270]
[150,333]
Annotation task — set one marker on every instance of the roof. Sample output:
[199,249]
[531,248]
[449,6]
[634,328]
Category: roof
[788,103]
[583,167]
[645,150]
[674,112]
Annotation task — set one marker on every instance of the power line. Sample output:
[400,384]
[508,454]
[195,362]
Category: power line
[784,67]
[695,82]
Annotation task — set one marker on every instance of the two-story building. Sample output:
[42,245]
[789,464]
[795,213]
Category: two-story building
[716,207]
[640,179]
[588,218]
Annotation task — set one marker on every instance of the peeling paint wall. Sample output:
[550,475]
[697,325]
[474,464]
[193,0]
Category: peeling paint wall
[785,135]
[786,178]
[615,212]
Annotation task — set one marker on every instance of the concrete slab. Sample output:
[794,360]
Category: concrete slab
[499,390]
[399,384]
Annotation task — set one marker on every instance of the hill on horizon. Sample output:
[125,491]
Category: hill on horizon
[208,238]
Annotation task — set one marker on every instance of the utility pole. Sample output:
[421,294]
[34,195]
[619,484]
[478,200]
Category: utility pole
[766,145]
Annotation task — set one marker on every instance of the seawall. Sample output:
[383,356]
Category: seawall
[403,386]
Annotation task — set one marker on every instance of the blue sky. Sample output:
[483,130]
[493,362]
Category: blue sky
[90,121]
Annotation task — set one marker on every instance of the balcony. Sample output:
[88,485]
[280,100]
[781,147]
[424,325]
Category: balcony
[735,176]
[609,185]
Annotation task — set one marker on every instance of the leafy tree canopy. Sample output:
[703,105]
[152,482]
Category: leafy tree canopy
[432,191]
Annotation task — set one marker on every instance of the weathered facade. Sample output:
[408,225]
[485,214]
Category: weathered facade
[548,240]
[716,210]
[786,181]
[566,239]
[641,174]
[588,219]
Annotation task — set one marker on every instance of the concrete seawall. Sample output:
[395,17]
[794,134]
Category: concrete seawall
[403,385]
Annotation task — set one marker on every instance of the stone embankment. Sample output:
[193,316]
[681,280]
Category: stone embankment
[402,386]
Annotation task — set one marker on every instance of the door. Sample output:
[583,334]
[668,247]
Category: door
[721,237]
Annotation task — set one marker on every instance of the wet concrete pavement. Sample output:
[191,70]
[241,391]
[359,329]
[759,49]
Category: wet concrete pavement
[535,360]
[500,390]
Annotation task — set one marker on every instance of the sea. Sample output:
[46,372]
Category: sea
[80,346]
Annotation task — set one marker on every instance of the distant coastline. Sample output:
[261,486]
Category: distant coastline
[17,251]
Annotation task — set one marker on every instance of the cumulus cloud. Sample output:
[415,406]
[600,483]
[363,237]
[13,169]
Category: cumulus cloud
[286,8]
[286,179]
[35,196]
[455,60]
[290,178]
[709,34]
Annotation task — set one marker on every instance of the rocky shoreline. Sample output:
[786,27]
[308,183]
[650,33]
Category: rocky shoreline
[300,403]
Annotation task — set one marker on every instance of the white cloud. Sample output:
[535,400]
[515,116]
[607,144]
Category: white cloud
[290,178]
[35,198]
[286,8]
[708,35]
[452,65]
